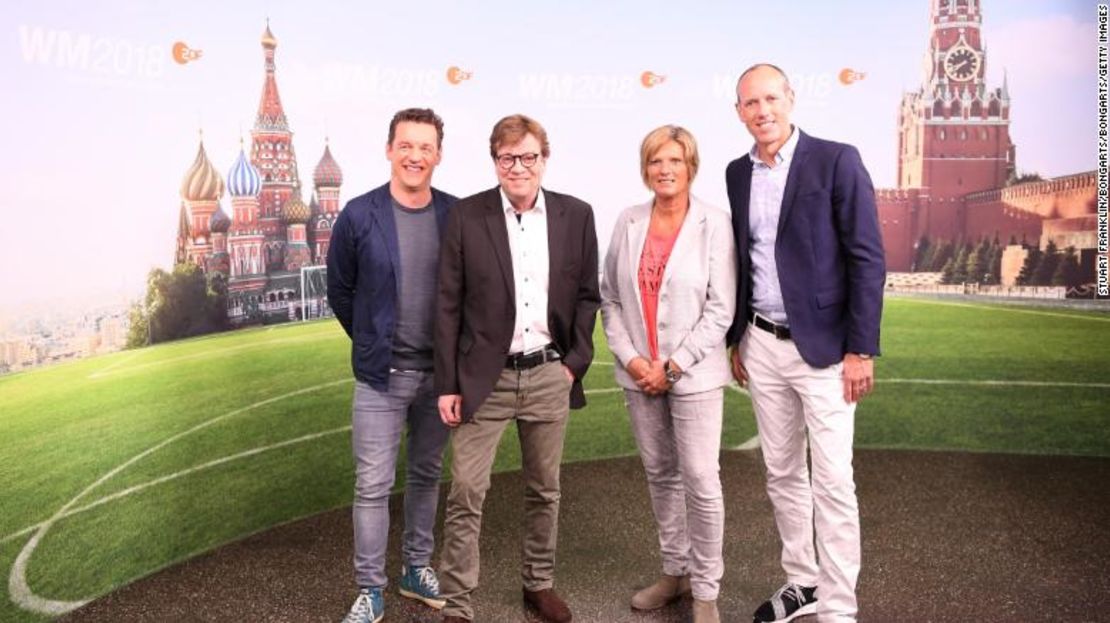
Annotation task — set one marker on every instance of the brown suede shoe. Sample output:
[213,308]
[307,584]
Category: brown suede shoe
[548,605]
[666,589]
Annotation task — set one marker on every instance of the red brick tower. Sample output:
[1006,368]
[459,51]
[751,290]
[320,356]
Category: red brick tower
[953,138]
[273,155]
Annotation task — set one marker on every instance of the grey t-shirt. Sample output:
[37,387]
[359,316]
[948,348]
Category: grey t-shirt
[413,335]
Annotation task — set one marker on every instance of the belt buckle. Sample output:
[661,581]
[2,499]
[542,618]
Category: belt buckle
[781,332]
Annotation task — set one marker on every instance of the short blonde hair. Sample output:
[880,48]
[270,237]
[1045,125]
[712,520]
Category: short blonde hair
[657,138]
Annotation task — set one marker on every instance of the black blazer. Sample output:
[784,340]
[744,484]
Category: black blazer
[476,306]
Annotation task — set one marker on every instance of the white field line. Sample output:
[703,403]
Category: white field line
[21,592]
[994,383]
[216,352]
[1008,309]
[116,364]
[174,476]
[24,597]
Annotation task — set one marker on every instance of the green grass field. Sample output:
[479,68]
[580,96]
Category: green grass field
[225,436]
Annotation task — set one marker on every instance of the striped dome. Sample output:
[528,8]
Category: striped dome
[295,210]
[202,182]
[243,180]
[219,223]
[327,171]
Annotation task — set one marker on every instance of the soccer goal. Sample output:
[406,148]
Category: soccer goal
[314,293]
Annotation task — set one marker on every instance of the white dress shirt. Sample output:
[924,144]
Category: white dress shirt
[528,246]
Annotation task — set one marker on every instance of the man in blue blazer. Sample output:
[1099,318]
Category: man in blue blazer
[382,282]
[809,302]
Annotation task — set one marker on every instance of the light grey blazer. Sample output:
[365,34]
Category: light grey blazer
[697,298]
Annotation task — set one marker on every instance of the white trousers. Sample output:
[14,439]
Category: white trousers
[792,398]
[679,438]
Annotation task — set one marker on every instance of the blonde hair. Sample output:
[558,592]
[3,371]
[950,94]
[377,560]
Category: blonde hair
[657,138]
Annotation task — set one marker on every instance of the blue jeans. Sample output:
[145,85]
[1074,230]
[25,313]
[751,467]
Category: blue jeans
[377,421]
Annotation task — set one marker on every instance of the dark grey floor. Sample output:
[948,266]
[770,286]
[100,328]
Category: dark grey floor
[946,537]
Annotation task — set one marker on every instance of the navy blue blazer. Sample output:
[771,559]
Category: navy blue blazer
[829,251]
[364,265]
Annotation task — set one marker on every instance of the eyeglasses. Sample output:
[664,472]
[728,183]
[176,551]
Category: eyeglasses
[508,161]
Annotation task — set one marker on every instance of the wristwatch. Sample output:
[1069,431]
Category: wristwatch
[671,374]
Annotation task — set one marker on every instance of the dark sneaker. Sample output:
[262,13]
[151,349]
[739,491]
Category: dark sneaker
[787,603]
[421,584]
[368,608]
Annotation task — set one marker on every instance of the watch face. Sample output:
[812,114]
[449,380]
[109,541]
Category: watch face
[961,64]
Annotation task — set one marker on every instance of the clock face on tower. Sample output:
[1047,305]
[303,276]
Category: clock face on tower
[962,63]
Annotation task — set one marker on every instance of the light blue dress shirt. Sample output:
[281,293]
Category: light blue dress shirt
[765,204]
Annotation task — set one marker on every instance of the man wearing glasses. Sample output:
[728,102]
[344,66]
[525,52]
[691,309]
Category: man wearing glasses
[518,296]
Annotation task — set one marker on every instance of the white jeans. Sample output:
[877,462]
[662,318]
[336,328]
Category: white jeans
[679,438]
[792,398]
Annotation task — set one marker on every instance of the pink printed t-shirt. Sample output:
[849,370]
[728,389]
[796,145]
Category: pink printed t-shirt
[653,260]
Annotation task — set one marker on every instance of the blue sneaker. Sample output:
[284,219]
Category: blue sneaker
[421,584]
[368,608]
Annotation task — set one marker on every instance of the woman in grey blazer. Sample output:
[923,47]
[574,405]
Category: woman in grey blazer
[668,294]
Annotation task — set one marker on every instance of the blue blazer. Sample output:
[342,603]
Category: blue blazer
[364,264]
[829,251]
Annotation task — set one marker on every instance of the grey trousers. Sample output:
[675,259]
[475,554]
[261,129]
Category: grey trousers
[679,438]
[538,400]
[377,421]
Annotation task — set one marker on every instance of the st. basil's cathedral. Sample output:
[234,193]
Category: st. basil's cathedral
[271,233]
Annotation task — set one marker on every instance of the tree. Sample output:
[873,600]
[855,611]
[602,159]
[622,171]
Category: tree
[1068,273]
[1047,266]
[948,273]
[959,269]
[978,262]
[139,332]
[922,255]
[941,257]
[1029,267]
[1023,177]
[994,272]
[180,304]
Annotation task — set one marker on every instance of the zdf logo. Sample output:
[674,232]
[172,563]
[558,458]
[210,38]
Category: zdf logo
[182,53]
[649,79]
[848,76]
[457,76]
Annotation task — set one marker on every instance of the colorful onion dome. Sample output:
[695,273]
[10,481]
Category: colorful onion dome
[243,180]
[295,210]
[268,39]
[219,223]
[202,182]
[327,171]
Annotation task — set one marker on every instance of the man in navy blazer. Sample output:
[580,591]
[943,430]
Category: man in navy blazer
[809,301]
[382,280]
